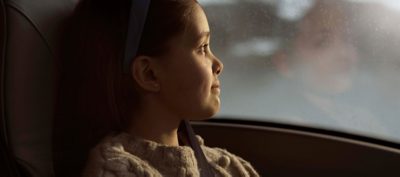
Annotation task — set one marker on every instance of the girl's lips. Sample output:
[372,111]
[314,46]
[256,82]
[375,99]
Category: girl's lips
[216,88]
[215,85]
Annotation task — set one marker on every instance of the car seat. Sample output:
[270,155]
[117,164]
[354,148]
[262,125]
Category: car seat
[30,31]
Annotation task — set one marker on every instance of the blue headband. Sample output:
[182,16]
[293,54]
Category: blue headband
[137,19]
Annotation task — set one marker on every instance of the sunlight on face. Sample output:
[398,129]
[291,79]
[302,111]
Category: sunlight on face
[189,84]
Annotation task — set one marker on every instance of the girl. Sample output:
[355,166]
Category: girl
[171,76]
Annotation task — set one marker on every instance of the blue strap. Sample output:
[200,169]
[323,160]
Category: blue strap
[189,138]
[137,19]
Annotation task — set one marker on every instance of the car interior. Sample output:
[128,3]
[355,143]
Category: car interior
[30,34]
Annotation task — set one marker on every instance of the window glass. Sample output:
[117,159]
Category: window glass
[323,63]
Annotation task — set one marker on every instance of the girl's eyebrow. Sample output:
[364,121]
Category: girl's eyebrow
[197,38]
[204,34]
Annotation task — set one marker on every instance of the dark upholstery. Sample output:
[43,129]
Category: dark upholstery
[276,150]
[29,78]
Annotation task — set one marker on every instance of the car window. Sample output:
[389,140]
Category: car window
[322,63]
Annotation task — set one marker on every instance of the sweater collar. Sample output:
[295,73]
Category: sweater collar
[181,159]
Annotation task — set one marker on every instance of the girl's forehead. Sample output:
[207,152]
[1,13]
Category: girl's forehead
[197,27]
[196,31]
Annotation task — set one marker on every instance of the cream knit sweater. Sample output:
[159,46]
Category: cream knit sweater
[123,155]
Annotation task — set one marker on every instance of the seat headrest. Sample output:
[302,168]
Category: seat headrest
[29,78]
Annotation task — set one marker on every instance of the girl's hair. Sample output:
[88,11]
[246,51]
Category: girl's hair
[96,97]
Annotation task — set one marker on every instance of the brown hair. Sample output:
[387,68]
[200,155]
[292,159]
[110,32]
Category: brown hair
[96,97]
[99,30]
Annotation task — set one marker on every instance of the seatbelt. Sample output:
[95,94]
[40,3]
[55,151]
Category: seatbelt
[188,137]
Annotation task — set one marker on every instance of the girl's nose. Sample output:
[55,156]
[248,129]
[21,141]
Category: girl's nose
[218,66]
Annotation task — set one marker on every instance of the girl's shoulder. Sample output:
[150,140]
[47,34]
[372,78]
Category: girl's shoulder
[116,156]
[109,158]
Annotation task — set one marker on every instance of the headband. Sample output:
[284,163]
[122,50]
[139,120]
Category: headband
[137,19]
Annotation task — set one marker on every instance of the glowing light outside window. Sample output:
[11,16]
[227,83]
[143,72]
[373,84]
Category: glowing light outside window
[323,63]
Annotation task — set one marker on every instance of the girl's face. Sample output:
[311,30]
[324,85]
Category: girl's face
[189,80]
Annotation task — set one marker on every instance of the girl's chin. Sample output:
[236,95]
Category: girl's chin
[207,114]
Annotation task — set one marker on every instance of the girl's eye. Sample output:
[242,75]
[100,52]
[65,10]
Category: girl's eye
[204,48]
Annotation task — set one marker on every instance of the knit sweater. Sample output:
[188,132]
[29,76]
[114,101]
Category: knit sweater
[123,155]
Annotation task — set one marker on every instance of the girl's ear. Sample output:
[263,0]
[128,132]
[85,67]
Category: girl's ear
[145,72]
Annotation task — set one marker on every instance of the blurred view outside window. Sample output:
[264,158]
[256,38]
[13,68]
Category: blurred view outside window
[322,63]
